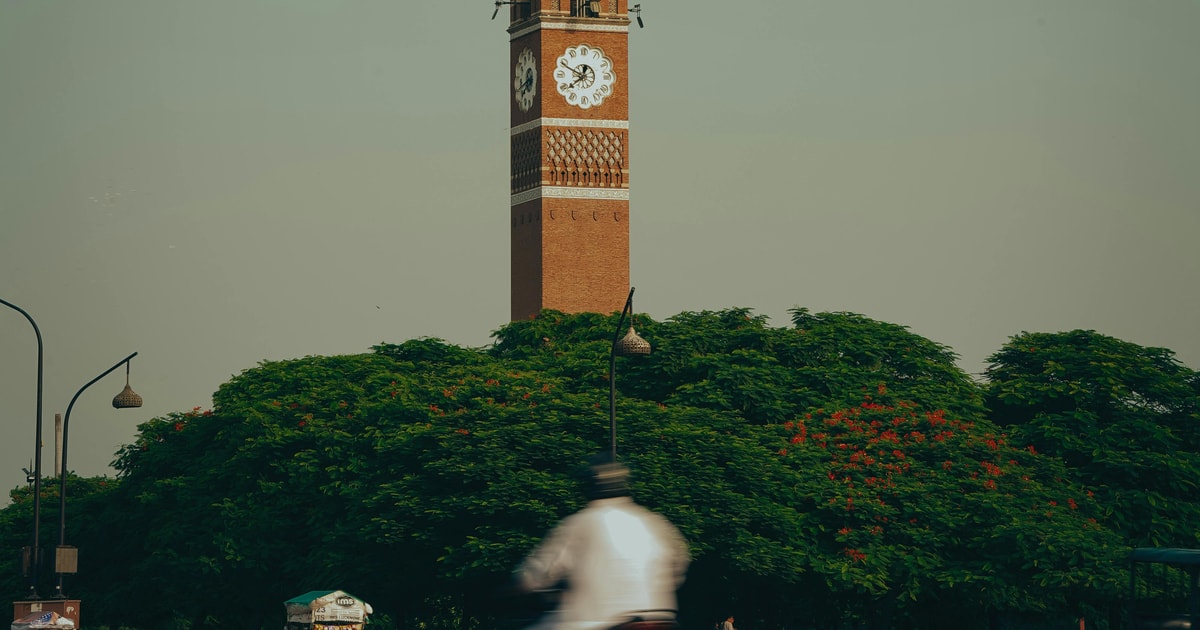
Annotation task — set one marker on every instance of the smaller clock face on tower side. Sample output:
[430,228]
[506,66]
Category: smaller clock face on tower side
[525,80]
[584,76]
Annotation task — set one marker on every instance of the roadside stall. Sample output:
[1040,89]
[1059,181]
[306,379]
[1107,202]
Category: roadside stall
[326,610]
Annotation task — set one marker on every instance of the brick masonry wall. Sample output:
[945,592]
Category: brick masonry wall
[570,253]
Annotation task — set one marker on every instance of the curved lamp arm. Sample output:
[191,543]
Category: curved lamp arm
[629,345]
[62,474]
[37,457]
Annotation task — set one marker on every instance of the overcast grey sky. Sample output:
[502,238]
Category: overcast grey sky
[217,183]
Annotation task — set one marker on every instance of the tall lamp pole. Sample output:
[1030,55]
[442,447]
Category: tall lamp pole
[35,555]
[629,345]
[65,558]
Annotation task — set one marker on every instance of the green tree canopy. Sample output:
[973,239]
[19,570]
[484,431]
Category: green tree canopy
[1124,418]
[838,469]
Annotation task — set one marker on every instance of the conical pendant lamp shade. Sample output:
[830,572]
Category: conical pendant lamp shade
[632,344]
[127,399]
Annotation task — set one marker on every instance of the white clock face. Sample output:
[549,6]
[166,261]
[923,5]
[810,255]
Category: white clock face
[525,80]
[584,76]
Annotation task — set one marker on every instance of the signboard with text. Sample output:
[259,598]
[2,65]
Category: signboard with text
[326,607]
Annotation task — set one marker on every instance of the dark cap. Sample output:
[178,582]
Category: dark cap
[609,480]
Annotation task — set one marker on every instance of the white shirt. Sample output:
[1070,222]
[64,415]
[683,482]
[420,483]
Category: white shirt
[618,558]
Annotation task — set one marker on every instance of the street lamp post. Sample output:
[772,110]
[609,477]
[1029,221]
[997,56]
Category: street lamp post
[64,559]
[629,345]
[35,555]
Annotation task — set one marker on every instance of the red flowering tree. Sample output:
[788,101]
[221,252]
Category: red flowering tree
[933,519]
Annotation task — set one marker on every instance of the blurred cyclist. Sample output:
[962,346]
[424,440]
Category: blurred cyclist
[621,563]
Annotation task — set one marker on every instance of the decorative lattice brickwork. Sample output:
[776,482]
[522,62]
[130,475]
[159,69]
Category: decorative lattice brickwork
[526,160]
[585,157]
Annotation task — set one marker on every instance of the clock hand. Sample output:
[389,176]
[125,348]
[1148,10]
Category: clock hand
[577,73]
[582,76]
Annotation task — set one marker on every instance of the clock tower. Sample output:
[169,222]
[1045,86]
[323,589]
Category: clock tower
[569,104]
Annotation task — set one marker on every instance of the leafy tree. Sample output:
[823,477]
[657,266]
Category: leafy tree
[417,475]
[16,525]
[930,519]
[733,361]
[1124,418]
[16,521]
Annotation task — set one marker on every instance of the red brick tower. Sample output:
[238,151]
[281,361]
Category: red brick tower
[570,155]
